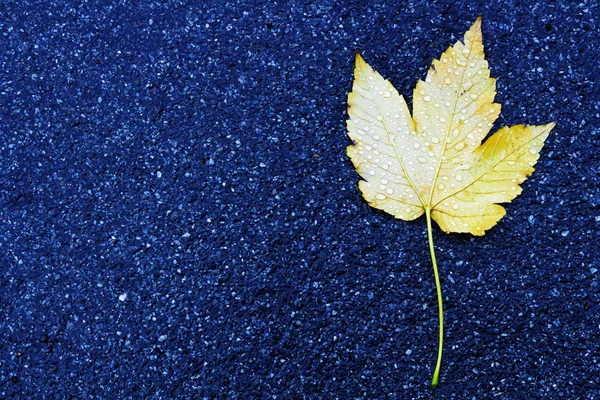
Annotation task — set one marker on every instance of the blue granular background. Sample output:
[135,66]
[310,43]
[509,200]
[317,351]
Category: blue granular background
[179,220]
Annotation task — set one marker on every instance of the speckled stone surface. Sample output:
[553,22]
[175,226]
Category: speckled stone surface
[178,218]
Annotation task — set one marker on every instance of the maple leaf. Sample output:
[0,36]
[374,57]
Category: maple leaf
[433,162]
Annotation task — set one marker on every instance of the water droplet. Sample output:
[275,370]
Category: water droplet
[435,140]
[473,96]
[380,196]
[396,116]
[442,119]
[479,72]
[532,151]
[387,94]
[390,191]
[368,147]
[455,133]
[408,210]
[513,188]
[447,104]
[446,204]
[384,181]
[455,207]
[510,162]
[444,60]
[422,160]
[458,177]
[379,118]
[361,132]
[459,146]
[470,136]
[441,186]
[381,187]
[371,172]
[448,81]
[416,145]
[426,98]
[385,166]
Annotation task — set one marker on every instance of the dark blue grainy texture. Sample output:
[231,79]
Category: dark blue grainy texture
[178,218]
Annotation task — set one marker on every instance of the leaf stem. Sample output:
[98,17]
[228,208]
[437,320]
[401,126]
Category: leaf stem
[436,373]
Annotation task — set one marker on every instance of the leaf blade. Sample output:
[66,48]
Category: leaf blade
[437,158]
[453,108]
[379,125]
[500,165]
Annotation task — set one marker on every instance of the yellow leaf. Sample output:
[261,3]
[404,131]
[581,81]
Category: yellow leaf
[435,159]
[433,162]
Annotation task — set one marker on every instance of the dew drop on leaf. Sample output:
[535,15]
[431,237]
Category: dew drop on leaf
[459,146]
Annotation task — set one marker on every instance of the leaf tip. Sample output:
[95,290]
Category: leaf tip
[476,27]
[359,60]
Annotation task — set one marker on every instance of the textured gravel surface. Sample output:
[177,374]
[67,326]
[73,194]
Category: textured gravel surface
[178,218]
